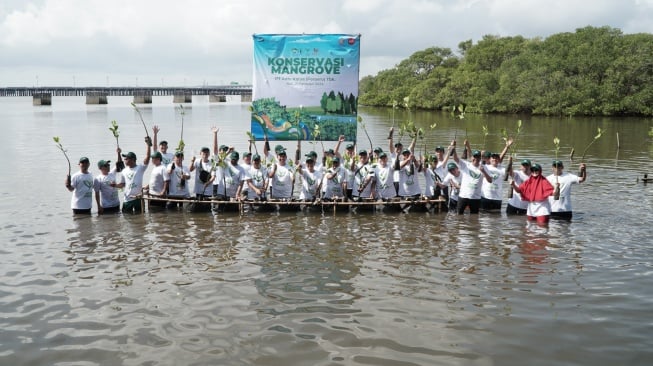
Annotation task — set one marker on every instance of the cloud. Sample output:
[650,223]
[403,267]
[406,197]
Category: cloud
[197,41]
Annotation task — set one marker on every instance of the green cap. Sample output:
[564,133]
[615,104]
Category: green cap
[256,157]
[102,163]
[279,148]
[558,163]
[536,168]
[224,148]
[476,153]
[487,154]
[129,155]
[349,146]
[439,148]
[526,162]
[378,150]
[451,166]
[383,155]
[234,156]
[156,155]
[83,159]
[311,154]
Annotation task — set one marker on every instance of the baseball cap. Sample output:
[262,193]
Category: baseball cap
[234,155]
[526,162]
[557,163]
[279,148]
[349,146]
[156,155]
[83,159]
[439,148]
[487,154]
[205,149]
[129,155]
[476,153]
[256,157]
[451,166]
[102,163]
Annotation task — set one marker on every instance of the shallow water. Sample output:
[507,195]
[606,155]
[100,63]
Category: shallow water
[315,289]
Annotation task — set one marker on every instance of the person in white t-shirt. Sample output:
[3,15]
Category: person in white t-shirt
[166,157]
[561,207]
[492,192]
[471,182]
[257,180]
[177,179]
[383,183]
[203,177]
[452,182]
[311,180]
[157,188]
[106,186]
[517,206]
[282,176]
[133,174]
[81,185]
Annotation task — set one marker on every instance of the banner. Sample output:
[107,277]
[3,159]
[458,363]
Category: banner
[305,86]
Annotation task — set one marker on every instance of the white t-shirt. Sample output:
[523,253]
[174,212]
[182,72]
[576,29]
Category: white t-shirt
[108,195]
[310,181]
[471,182]
[157,179]
[384,182]
[133,181]
[200,187]
[566,180]
[334,185]
[494,190]
[166,158]
[518,177]
[258,177]
[82,198]
[282,181]
[230,177]
[174,177]
[448,180]
[408,182]
[361,173]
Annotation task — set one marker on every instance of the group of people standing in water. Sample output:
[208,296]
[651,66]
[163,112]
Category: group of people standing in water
[218,174]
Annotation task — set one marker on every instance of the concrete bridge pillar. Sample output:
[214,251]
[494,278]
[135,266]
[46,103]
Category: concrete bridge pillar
[246,98]
[182,96]
[215,98]
[96,97]
[42,99]
[142,96]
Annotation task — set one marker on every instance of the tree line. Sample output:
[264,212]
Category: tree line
[593,71]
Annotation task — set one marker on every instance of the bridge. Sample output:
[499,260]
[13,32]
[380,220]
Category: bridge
[98,95]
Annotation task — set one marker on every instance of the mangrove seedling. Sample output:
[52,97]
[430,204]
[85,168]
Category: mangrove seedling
[600,133]
[140,115]
[57,141]
[180,147]
[394,107]
[556,193]
[362,124]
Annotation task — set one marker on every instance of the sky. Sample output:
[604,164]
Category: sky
[197,42]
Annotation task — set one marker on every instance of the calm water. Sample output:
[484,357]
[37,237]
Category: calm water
[308,289]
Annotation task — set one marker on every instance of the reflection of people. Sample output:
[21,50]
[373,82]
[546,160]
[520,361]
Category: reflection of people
[536,190]
[81,185]
[561,208]
[106,186]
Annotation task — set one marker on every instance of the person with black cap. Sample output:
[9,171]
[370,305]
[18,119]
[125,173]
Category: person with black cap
[81,185]
[561,207]
[517,206]
[106,186]
[166,157]
[471,182]
[133,174]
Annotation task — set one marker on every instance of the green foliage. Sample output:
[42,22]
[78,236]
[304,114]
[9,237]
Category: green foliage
[592,71]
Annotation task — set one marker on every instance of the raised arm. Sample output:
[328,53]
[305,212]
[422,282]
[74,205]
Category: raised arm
[155,133]
[214,131]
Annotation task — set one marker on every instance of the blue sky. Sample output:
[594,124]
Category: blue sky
[193,42]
